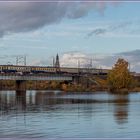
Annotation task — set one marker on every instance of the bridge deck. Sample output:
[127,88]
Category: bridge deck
[36,77]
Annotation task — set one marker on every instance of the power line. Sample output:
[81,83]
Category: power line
[21,60]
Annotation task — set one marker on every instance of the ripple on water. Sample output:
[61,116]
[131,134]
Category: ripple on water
[87,115]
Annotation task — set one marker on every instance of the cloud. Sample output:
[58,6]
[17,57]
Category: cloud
[118,29]
[97,32]
[73,59]
[22,17]
[134,59]
[70,59]
[120,25]
[27,16]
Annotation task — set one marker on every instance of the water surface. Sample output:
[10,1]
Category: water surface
[49,114]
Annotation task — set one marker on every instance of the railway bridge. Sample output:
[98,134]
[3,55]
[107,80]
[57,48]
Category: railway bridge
[21,79]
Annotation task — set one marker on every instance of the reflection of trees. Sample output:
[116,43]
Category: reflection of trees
[43,98]
[121,108]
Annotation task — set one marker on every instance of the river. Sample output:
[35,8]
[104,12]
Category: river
[54,114]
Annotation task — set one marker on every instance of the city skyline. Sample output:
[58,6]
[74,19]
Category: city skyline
[102,31]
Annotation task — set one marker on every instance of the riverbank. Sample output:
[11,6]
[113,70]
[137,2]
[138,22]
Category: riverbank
[68,87]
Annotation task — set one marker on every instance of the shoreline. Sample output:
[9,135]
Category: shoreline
[137,89]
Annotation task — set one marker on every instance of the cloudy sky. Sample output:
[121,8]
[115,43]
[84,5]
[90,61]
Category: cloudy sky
[77,31]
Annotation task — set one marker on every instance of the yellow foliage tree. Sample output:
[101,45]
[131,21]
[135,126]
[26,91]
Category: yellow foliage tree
[119,77]
[64,87]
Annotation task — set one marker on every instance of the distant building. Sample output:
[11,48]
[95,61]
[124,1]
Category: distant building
[56,63]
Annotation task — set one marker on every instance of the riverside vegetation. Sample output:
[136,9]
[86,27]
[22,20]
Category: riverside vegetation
[118,79]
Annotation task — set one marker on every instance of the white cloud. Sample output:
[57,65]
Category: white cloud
[105,61]
[71,59]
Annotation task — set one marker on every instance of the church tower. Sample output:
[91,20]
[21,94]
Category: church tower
[57,64]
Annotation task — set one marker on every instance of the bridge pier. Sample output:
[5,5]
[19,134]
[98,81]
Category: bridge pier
[0,84]
[20,85]
[76,79]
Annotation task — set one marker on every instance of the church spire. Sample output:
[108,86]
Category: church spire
[57,64]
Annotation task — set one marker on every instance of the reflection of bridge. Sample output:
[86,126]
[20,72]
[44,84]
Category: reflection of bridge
[21,79]
[42,101]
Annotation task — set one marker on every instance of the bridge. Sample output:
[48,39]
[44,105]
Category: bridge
[36,77]
[21,79]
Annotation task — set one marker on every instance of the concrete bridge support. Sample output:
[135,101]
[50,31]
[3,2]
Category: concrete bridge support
[20,85]
[0,84]
[76,79]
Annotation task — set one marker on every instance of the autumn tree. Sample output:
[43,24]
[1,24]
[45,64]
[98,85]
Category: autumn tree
[64,87]
[119,77]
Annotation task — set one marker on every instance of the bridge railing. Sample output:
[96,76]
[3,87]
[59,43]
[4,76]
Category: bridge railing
[35,77]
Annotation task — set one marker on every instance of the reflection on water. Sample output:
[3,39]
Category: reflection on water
[121,108]
[58,114]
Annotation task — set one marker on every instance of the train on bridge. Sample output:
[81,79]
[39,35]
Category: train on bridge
[50,70]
